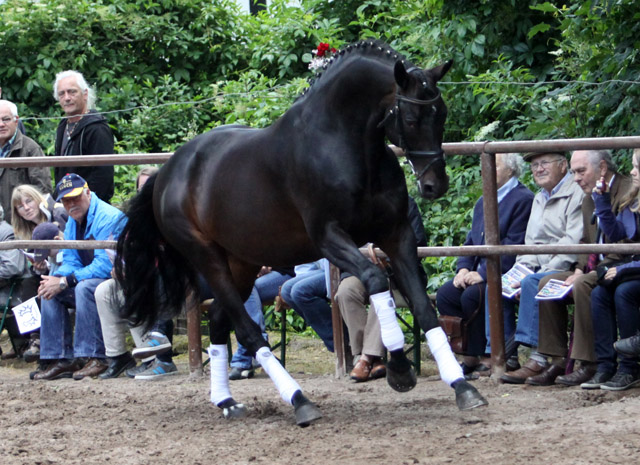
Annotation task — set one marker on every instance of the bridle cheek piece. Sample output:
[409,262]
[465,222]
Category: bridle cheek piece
[432,155]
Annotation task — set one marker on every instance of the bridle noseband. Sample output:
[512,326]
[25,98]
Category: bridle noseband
[433,155]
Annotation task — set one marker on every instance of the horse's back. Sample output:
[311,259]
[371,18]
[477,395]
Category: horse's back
[230,186]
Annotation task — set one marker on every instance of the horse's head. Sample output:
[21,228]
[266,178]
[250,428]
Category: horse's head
[419,114]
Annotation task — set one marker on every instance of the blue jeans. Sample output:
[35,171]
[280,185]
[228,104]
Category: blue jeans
[526,330]
[56,334]
[265,288]
[306,294]
[608,306]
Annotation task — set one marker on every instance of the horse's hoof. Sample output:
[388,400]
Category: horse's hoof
[467,396]
[306,414]
[234,411]
[401,381]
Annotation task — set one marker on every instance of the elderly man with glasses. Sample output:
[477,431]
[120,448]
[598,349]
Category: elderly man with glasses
[14,144]
[556,218]
[588,167]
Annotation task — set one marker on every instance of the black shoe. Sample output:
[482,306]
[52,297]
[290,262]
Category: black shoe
[597,381]
[118,365]
[621,381]
[43,365]
[629,347]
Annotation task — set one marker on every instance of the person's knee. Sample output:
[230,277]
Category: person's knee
[350,290]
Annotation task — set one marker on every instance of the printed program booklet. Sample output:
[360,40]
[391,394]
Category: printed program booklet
[514,275]
[554,289]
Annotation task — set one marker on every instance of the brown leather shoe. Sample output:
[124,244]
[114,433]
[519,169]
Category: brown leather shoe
[93,368]
[378,370]
[57,370]
[579,376]
[547,377]
[361,371]
[530,369]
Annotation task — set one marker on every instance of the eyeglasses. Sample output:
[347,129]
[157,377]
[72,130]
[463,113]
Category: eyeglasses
[25,203]
[543,164]
[7,119]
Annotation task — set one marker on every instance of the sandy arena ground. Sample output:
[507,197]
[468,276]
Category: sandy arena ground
[171,421]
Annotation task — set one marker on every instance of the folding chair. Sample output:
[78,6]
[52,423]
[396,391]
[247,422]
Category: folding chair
[195,341]
[12,284]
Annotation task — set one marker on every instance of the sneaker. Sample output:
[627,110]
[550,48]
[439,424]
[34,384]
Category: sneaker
[237,373]
[621,381]
[629,347]
[598,380]
[133,372]
[154,343]
[32,354]
[158,369]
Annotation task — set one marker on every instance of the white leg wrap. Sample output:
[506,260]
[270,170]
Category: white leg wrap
[218,357]
[286,385]
[448,366]
[385,308]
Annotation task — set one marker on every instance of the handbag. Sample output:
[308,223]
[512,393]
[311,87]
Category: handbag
[456,330]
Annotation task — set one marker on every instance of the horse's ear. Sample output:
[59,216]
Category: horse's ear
[401,75]
[439,71]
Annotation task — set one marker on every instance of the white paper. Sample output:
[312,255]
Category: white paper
[514,275]
[554,289]
[27,315]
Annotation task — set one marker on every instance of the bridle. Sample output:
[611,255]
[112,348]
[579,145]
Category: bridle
[432,155]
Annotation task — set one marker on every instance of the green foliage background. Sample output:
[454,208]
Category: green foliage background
[167,70]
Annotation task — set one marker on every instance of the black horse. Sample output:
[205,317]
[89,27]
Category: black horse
[319,182]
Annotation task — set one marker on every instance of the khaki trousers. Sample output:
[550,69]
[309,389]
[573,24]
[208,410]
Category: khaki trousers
[554,320]
[363,325]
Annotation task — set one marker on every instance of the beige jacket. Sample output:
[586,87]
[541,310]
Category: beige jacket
[556,221]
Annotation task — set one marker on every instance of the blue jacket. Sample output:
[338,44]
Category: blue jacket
[513,216]
[104,222]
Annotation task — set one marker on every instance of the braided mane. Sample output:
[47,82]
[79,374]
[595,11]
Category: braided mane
[370,48]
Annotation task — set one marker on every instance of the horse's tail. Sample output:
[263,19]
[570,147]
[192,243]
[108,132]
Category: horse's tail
[155,278]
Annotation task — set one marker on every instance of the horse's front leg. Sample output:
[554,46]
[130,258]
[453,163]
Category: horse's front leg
[343,252]
[404,262]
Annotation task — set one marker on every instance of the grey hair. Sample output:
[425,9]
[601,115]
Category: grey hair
[146,171]
[12,107]
[514,162]
[596,156]
[82,83]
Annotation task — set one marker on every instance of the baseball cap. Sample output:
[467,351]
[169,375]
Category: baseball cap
[43,232]
[71,185]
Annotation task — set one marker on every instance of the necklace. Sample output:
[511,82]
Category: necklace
[72,126]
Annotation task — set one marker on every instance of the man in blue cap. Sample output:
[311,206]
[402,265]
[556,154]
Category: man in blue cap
[73,286]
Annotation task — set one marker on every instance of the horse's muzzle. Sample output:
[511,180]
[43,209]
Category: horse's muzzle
[434,187]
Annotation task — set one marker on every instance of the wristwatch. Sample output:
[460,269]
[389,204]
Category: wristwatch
[63,283]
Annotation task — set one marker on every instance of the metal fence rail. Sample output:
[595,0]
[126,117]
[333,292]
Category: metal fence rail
[492,250]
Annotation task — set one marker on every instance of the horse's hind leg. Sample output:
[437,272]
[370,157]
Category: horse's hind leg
[219,329]
[229,308]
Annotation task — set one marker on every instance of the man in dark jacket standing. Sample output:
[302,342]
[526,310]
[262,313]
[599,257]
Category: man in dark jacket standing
[82,132]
